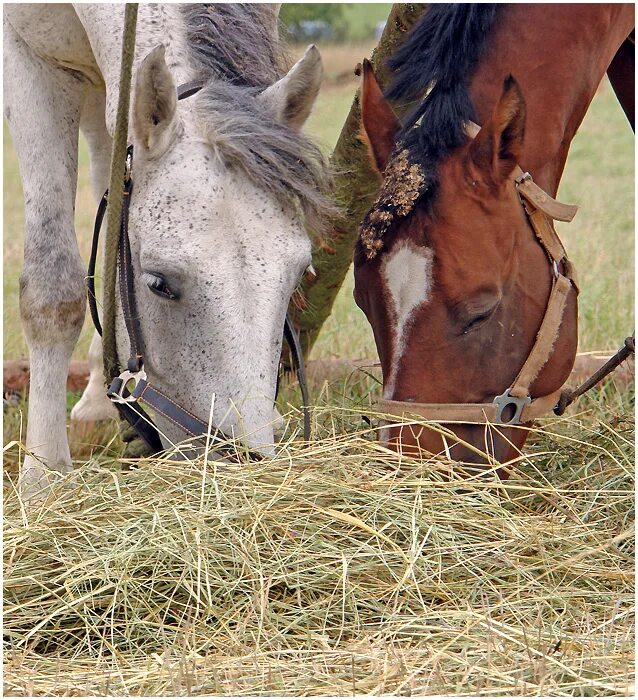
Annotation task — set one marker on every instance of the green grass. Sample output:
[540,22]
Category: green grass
[350,21]
[600,178]
[362,18]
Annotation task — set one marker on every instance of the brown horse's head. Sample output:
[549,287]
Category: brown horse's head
[451,277]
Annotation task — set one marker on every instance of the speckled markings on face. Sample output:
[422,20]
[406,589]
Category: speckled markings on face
[407,276]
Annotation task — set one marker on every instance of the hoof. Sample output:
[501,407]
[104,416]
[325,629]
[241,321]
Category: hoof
[36,482]
[89,410]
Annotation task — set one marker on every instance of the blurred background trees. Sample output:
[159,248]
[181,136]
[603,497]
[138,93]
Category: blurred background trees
[337,22]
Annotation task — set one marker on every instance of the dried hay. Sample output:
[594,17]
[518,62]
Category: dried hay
[338,568]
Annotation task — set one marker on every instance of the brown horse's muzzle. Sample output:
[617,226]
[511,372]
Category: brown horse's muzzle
[477,448]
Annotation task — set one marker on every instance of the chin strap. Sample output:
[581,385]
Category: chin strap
[523,412]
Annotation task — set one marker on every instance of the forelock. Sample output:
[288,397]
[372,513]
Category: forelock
[405,185]
[272,155]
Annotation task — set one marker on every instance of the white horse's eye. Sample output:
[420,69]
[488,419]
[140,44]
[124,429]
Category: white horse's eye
[157,284]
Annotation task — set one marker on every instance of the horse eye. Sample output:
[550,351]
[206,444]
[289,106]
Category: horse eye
[478,321]
[158,285]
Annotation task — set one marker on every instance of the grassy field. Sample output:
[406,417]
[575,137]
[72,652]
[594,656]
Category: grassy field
[339,568]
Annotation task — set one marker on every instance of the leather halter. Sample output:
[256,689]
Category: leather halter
[515,406]
[127,397]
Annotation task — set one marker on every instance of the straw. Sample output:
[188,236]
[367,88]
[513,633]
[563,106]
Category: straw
[333,568]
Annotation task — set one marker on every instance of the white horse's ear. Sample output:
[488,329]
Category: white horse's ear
[155,105]
[271,17]
[292,98]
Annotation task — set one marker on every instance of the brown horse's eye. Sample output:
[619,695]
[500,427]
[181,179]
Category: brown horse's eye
[477,308]
[478,321]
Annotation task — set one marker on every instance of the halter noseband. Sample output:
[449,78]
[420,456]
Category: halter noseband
[540,209]
[127,398]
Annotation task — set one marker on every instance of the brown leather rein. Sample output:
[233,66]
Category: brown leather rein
[132,386]
[515,406]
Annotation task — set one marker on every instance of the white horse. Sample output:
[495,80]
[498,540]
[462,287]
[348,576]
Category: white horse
[225,187]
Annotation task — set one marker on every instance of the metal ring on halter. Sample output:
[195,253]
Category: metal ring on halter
[128,165]
[521,178]
[119,386]
[504,400]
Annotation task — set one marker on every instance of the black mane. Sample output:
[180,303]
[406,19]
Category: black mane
[439,55]
[438,58]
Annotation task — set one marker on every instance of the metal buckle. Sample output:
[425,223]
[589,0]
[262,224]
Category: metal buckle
[118,386]
[505,399]
[522,178]
[518,181]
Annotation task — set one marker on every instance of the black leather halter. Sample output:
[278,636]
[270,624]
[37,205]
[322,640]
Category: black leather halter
[132,386]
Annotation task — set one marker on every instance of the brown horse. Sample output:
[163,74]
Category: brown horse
[448,268]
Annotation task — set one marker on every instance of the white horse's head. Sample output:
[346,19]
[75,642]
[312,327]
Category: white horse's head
[224,188]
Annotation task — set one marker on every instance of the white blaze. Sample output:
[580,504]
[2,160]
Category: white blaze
[407,274]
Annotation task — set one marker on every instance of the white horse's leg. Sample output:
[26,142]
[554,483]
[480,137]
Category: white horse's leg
[42,107]
[94,404]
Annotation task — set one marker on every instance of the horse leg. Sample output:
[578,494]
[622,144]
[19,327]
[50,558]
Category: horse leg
[94,403]
[621,74]
[42,107]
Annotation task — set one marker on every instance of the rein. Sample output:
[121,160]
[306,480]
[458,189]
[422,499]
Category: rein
[515,406]
[569,396]
[132,386]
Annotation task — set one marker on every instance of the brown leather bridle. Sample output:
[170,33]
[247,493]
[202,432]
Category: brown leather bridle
[131,386]
[515,406]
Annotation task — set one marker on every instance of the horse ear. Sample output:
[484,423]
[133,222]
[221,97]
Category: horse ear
[292,98]
[271,17]
[155,102]
[380,123]
[498,145]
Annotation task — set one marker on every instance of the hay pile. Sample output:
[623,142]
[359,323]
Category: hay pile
[334,569]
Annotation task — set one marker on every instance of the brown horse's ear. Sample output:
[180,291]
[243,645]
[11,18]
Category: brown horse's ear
[498,145]
[380,123]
